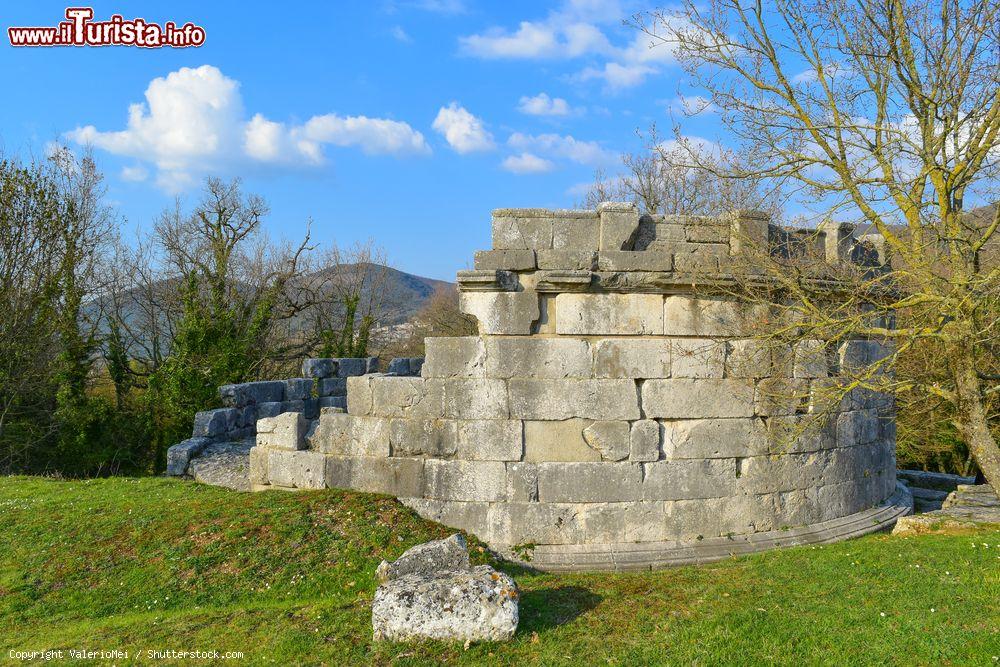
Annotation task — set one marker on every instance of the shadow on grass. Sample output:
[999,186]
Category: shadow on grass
[545,608]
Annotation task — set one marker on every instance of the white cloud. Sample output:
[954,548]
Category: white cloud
[575,31]
[527,163]
[135,174]
[464,132]
[400,35]
[564,147]
[193,122]
[543,105]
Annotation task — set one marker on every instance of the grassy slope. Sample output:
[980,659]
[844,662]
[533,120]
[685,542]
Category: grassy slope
[142,564]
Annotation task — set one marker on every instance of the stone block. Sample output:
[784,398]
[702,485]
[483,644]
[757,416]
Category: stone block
[313,405]
[406,397]
[748,231]
[557,441]
[403,477]
[473,517]
[697,358]
[644,440]
[705,232]
[687,479]
[293,406]
[490,440]
[356,366]
[562,399]
[333,387]
[319,368]
[423,437]
[609,314]
[475,398]
[632,358]
[619,225]
[589,482]
[714,438]
[573,260]
[429,558]
[298,389]
[360,395]
[705,317]
[286,431]
[810,359]
[505,260]
[685,398]
[522,233]
[405,366]
[251,393]
[465,480]
[748,358]
[296,469]
[781,396]
[610,438]
[349,435]
[181,454]
[522,482]
[258,466]
[272,409]
[215,423]
[537,357]
[508,313]
[635,260]
[784,472]
[454,356]
[538,523]
[582,233]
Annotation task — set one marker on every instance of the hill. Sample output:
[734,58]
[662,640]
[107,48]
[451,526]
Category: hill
[287,578]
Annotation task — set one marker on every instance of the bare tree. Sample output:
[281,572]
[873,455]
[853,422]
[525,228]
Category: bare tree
[661,179]
[886,114]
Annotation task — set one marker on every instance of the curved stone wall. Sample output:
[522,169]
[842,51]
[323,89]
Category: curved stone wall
[608,415]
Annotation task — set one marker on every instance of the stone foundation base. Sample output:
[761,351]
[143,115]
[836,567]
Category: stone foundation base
[654,555]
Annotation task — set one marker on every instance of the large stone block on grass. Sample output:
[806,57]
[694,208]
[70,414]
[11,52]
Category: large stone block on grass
[508,357]
[684,398]
[181,454]
[609,314]
[632,358]
[296,469]
[432,557]
[508,313]
[479,604]
[564,399]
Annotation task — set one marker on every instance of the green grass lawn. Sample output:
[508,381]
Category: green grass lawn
[152,564]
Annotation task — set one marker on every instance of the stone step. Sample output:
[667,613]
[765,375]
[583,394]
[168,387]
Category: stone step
[928,494]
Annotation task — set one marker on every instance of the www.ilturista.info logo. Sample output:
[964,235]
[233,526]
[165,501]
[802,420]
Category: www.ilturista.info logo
[81,30]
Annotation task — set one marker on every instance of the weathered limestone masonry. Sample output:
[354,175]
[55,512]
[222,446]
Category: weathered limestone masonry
[606,416]
[324,386]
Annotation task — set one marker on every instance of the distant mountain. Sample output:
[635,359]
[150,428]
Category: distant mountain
[403,295]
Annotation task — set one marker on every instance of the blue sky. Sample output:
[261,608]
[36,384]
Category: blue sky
[403,121]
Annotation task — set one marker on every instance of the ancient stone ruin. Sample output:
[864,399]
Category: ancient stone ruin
[609,414]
